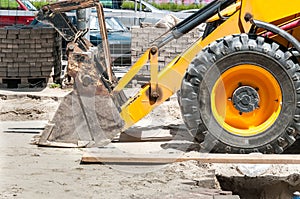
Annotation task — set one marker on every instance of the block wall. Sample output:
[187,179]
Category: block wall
[142,38]
[29,52]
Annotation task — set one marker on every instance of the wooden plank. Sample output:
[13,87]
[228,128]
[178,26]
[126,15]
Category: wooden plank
[102,157]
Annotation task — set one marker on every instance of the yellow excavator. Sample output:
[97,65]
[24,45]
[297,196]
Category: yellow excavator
[238,85]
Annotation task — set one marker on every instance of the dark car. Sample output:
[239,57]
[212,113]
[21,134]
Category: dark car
[119,39]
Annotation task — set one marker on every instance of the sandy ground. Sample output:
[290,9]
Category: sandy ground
[29,171]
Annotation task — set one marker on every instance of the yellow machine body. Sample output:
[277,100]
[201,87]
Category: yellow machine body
[278,12]
[252,104]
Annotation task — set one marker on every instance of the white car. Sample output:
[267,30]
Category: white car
[140,12]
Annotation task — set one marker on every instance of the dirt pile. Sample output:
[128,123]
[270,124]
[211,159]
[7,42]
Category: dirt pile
[27,108]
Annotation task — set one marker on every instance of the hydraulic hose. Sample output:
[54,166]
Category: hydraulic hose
[276,30]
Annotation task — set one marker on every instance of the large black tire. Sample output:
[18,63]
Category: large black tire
[206,68]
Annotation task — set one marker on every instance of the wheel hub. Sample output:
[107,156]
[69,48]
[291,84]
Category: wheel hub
[245,99]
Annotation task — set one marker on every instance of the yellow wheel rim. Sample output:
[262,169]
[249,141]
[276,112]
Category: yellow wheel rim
[252,122]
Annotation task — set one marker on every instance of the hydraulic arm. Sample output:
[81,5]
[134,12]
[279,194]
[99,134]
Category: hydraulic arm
[87,116]
[56,16]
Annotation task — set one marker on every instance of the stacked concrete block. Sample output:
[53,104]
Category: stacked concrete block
[143,37]
[28,52]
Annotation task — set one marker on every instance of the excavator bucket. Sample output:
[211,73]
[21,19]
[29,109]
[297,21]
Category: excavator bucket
[89,115]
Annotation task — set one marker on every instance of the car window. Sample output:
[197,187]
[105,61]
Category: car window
[113,4]
[29,5]
[112,24]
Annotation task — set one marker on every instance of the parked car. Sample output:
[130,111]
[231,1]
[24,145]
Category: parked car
[119,39]
[140,12]
[16,12]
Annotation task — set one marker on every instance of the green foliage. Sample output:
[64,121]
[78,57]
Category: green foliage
[8,4]
[163,6]
[13,5]
[176,7]
[39,4]
[129,5]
